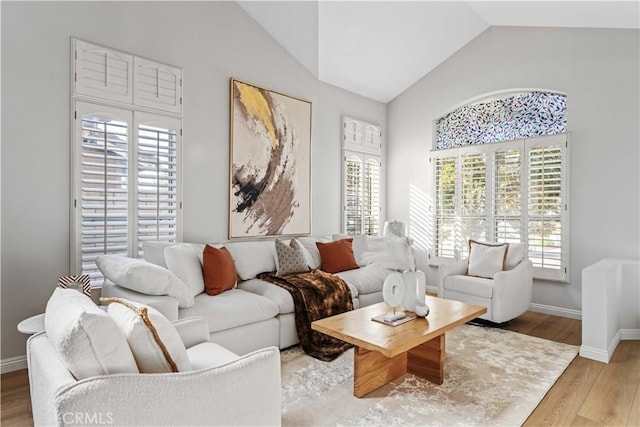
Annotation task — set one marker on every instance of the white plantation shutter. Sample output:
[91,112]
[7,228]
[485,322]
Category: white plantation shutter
[371,196]
[507,196]
[372,142]
[352,134]
[102,193]
[362,177]
[157,85]
[100,72]
[125,159]
[513,192]
[353,206]
[547,205]
[445,170]
[473,194]
[157,178]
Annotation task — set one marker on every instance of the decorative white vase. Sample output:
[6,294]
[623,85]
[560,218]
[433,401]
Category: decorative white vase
[415,288]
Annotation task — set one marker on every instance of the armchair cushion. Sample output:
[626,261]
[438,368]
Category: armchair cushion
[209,355]
[470,285]
[516,253]
[485,259]
[155,344]
[86,338]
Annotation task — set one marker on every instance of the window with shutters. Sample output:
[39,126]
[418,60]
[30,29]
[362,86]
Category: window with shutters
[126,169]
[486,188]
[362,177]
[513,192]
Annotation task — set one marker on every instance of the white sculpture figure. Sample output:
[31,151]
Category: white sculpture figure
[415,288]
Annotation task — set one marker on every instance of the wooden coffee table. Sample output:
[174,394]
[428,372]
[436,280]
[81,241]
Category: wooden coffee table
[383,352]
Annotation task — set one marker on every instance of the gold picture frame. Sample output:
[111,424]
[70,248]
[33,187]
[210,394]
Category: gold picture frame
[270,163]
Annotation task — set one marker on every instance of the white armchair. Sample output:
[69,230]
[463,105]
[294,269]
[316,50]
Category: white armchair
[224,389]
[506,296]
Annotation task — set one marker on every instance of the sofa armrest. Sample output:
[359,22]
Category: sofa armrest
[451,268]
[165,304]
[245,391]
[192,330]
[512,291]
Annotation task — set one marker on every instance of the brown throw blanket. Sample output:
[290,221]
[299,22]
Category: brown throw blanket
[316,295]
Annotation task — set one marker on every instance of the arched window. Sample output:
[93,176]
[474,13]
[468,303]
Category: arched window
[499,173]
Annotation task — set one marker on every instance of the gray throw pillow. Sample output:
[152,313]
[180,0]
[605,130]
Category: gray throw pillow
[291,258]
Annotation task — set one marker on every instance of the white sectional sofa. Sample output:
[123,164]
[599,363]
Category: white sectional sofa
[256,314]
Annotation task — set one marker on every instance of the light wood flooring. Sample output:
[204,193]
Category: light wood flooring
[588,393]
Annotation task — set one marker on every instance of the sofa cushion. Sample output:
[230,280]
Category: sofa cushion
[290,258]
[275,293]
[253,258]
[153,252]
[209,355]
[144,277]
[218,270]
[231,308]
[469,285]
[312,252]
[154,342]
[185,261]
[337,256]
[515,254]
[486,259]
[88,341]
[365,279]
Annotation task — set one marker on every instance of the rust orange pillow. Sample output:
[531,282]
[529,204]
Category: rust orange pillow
[337,256]
[218,270]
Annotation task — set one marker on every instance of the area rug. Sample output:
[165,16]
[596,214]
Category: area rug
[492,377]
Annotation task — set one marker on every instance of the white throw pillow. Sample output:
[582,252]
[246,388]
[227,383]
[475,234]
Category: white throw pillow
[185,261]
[311,250]
[515,254]
[144,277]
[154,342]
[486,259]
[86,338]
[153,252]
[391,252]
[253,258]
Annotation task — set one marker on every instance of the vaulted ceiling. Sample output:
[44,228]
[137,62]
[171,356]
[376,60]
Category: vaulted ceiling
[380,48]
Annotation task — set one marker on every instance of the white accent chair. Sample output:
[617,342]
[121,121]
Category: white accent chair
[223,389]
[507,295]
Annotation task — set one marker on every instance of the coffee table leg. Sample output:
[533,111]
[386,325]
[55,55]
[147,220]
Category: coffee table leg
[372,370]
[427,360]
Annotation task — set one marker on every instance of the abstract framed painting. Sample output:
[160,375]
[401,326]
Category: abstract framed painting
[270,163]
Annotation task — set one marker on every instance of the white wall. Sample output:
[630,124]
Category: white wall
[212,41]
[599,71]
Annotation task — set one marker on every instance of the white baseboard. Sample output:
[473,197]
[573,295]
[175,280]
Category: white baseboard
[556,311]
[13,364]
[593,353]
[629,334]
[602,355]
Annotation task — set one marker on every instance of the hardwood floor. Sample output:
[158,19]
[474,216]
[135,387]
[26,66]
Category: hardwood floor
[588,393]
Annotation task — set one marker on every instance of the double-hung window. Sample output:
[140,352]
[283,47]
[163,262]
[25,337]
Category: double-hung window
[511,191]
[362,177]
[125,146]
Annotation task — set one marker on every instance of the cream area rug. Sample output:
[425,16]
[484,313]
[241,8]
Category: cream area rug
[492,377]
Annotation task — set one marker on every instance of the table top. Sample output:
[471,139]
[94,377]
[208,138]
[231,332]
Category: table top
[32,325]
[357,328]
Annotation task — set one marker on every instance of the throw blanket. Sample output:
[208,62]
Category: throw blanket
[316,295]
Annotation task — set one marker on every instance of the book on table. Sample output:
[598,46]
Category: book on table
[406,318]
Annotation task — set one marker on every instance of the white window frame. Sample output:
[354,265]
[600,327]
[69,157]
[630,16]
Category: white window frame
[166,113]
[561,274]
[367,146]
